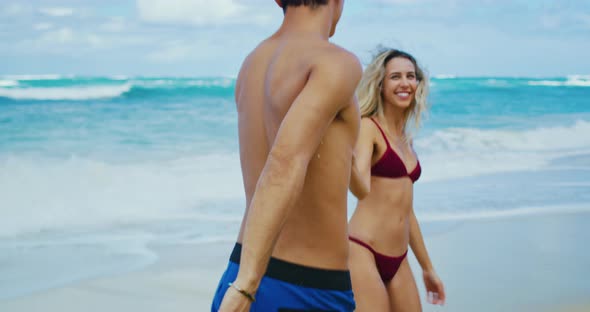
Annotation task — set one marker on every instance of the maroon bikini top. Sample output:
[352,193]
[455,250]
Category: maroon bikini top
[390,165]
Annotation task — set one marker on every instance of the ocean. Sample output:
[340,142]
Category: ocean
[95,170]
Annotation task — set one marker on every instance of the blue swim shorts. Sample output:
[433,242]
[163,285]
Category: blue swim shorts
[289,287]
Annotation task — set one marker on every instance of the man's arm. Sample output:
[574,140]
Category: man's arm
[330,86]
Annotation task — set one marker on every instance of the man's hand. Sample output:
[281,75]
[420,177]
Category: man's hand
[233,301]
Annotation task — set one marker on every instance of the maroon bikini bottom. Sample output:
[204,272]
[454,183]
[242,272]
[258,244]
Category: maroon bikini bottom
[386,265]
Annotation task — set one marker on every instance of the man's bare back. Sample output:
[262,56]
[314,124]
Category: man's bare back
[271,78]
[298,125]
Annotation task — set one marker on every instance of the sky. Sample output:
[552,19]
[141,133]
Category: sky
[535,38]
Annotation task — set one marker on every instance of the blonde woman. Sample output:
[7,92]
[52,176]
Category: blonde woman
[392,98]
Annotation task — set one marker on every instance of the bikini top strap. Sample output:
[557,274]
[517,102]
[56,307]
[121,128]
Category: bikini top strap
[382,133]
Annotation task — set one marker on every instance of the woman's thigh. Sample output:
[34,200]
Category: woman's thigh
[402,290]
[370,293]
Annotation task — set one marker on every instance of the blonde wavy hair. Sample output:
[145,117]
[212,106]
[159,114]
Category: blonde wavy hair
[369,89]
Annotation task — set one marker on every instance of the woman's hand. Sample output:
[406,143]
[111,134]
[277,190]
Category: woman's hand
[435,290]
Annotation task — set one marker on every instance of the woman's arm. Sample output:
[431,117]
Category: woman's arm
[434,286]
[417,244]
[360,175]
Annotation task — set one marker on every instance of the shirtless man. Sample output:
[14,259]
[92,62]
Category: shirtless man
[298,124]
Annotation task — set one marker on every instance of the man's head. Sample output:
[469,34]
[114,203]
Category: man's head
[313,3]
[337,6]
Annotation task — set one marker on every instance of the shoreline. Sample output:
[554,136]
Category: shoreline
[505,261]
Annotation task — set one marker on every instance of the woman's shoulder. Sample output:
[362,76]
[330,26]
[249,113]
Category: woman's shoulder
[367,123]
[368,128]
[367,120]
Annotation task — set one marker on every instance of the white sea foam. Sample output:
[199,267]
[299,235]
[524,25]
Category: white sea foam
[119,77]
[66,93]
[224,82]
[500,214]
[37,194]
[460,152]
[444,76]
[8,83]
[37,77]
[572,81]
[78,192]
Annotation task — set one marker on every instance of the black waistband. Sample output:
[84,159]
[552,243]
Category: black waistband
[301,275]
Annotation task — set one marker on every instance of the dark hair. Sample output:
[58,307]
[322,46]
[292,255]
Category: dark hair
[393,53]
[312,3]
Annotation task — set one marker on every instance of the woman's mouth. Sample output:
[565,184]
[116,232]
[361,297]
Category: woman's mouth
[403,95]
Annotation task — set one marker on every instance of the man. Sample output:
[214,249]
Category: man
[298,124]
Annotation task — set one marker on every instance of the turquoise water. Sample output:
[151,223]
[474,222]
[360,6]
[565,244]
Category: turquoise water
[82,151]
[156,159]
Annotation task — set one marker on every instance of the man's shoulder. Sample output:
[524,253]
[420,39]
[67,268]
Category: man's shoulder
[339,62]
[332,53]
[254,57]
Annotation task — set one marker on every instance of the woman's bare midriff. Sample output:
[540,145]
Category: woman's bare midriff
[382,218]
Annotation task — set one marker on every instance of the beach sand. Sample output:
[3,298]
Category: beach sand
[184,279]
[524,263]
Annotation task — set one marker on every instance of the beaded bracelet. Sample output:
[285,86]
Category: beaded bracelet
[243,292]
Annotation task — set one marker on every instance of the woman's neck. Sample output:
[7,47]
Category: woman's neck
[394,120]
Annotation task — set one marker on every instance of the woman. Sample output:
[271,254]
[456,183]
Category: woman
[392,96]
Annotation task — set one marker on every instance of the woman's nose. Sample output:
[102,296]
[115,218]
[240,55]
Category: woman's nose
[405,81]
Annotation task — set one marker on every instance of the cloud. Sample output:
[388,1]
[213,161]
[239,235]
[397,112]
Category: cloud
[584,19]
[449,36]
[13,9]
[42,26]
[565,22]
[57,12]
[115,24]
[197,12]
[188,51]
[95,41]
[171,54]
[551,21]
[62,35]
